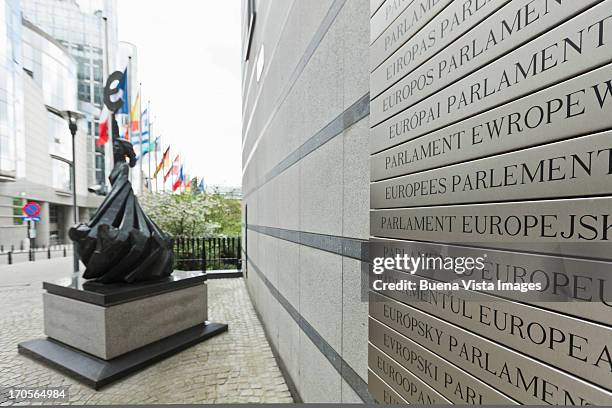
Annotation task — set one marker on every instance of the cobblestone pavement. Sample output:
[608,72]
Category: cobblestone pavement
[234,367]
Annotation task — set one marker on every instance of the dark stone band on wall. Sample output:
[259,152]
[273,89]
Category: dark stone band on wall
[353,114]
[340,365]
[349,247]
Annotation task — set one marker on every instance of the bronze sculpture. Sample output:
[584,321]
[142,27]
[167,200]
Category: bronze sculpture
[121,243]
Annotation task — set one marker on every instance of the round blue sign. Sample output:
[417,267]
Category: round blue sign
[31,209]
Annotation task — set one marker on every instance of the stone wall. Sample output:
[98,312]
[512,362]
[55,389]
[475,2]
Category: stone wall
[306,193]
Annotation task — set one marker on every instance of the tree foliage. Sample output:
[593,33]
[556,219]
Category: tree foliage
[194,215]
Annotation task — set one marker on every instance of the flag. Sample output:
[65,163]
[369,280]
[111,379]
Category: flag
[147,147]
[179,180]
[165,161]
[145,123]
[103,127]
[173,169]
[136,114]
[123,93]
[191,184]
[202,186]
[144,149]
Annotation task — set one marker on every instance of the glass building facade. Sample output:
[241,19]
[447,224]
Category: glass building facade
[11,89]
[82,27]
[55,72]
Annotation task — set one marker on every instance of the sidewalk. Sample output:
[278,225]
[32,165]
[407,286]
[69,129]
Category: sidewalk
[234,367]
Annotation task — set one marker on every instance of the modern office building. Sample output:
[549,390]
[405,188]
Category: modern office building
[86,28]
[305,188]
[53,61]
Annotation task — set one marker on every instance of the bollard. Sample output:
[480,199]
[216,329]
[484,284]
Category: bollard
[10,258]
[64,252]
[48,253]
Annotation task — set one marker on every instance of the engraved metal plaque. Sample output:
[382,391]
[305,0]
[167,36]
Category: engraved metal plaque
[450,24]
[381,392]
[518,376]
[548,59]
[575,107]
[578,227]
[579,347]
[386,12]
[412,19]
[452,382]
[495,37]
[491,139]
[576,287]
[407,385]
[579,167]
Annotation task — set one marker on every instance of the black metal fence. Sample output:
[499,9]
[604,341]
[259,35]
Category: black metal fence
[189,253]
[207,254]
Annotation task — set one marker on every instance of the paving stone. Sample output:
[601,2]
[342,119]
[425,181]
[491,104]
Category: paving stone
[235,367]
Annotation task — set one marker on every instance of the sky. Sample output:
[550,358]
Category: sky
[189,67]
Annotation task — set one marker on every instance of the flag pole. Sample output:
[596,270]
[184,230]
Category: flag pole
[164,171]
[150,138]
[140,137]
[156,172]
[111,115]
[129,102]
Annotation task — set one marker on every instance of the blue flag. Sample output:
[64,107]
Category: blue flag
[147,147]
[145,124]
[123,85]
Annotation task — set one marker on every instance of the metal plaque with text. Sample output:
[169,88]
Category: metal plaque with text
[581,44]
[579,167]
[576,107]
[518,376]
[578,227]
[575,287]
[410,21]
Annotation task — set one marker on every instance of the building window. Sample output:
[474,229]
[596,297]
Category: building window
[99,166]
[84,91]
[98,94]
[61,175]
[18,211]
[53,214]
[60,138]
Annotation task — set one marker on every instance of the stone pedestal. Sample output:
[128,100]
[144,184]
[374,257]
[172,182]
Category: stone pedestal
[100,333]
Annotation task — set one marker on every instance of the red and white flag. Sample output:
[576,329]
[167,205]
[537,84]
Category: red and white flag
[103,129]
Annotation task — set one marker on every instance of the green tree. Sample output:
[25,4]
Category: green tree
[194,215]
[226,212]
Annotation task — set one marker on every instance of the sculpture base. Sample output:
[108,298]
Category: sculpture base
[100,333]
[96,372]
[123,317]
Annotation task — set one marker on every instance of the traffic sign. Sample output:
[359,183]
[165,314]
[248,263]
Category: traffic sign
[33,218]
[31,209]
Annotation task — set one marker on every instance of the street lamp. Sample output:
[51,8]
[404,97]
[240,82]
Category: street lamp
[72,117]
